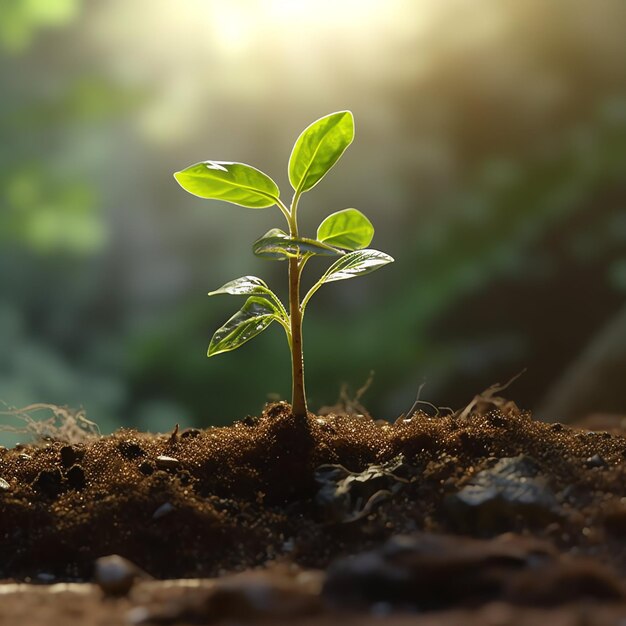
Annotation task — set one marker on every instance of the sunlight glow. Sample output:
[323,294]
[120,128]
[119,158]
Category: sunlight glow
[238,24]
[299,13]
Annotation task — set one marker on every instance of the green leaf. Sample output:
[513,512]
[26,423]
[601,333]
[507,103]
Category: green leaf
[244,286]
[278,245]
[355,263]
[318,148]
[348,229]
[233,182]
[249,286]
[253,318]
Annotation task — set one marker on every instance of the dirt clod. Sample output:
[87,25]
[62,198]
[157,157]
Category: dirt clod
[495,498]
[71,455]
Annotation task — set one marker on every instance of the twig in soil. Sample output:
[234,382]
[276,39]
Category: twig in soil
[417,402]
[350,405]
[488,399]
[374,499]
[174,436]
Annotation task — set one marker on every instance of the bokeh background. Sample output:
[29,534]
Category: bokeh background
[490,154]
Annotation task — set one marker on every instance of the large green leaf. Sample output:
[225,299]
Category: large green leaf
[355,263]
[278,245]
[348,229]
[253,318]
[233,182]
[318,148]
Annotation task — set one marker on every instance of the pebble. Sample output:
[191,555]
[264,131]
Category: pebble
[163,510]
[167,462]
[4,485]
[116,575]
[595,461]
[45,578]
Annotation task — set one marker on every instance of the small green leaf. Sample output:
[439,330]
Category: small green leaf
[252,286]
[348,229]
[233,182]
[244,286]
[355,263]
[253,318]
[318,148]
[278,245]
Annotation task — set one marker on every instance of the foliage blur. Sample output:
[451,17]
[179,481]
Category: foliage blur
[490,154]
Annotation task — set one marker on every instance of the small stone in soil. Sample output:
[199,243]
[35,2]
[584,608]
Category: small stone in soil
[45,578]
[4,485]
[163,510]
[115,575]
[167,462]
[595,461]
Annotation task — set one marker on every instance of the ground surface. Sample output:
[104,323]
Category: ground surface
[482,517]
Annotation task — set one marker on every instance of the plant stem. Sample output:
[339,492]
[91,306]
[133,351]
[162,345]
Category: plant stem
[298,396]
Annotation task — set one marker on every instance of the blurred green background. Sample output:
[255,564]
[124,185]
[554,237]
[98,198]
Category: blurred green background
[490,154]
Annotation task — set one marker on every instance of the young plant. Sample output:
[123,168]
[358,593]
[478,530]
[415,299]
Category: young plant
[344,235]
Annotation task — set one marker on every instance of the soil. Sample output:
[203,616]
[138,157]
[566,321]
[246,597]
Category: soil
[485,516]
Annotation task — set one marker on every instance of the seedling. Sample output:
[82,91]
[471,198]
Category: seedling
[344,234]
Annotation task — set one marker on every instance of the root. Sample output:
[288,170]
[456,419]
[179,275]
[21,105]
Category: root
[487,400]
[418,401]
[350,405]
[64,424]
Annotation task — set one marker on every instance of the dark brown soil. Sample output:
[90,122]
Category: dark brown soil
[204,503]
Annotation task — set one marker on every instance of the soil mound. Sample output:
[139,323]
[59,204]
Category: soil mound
[203,502]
